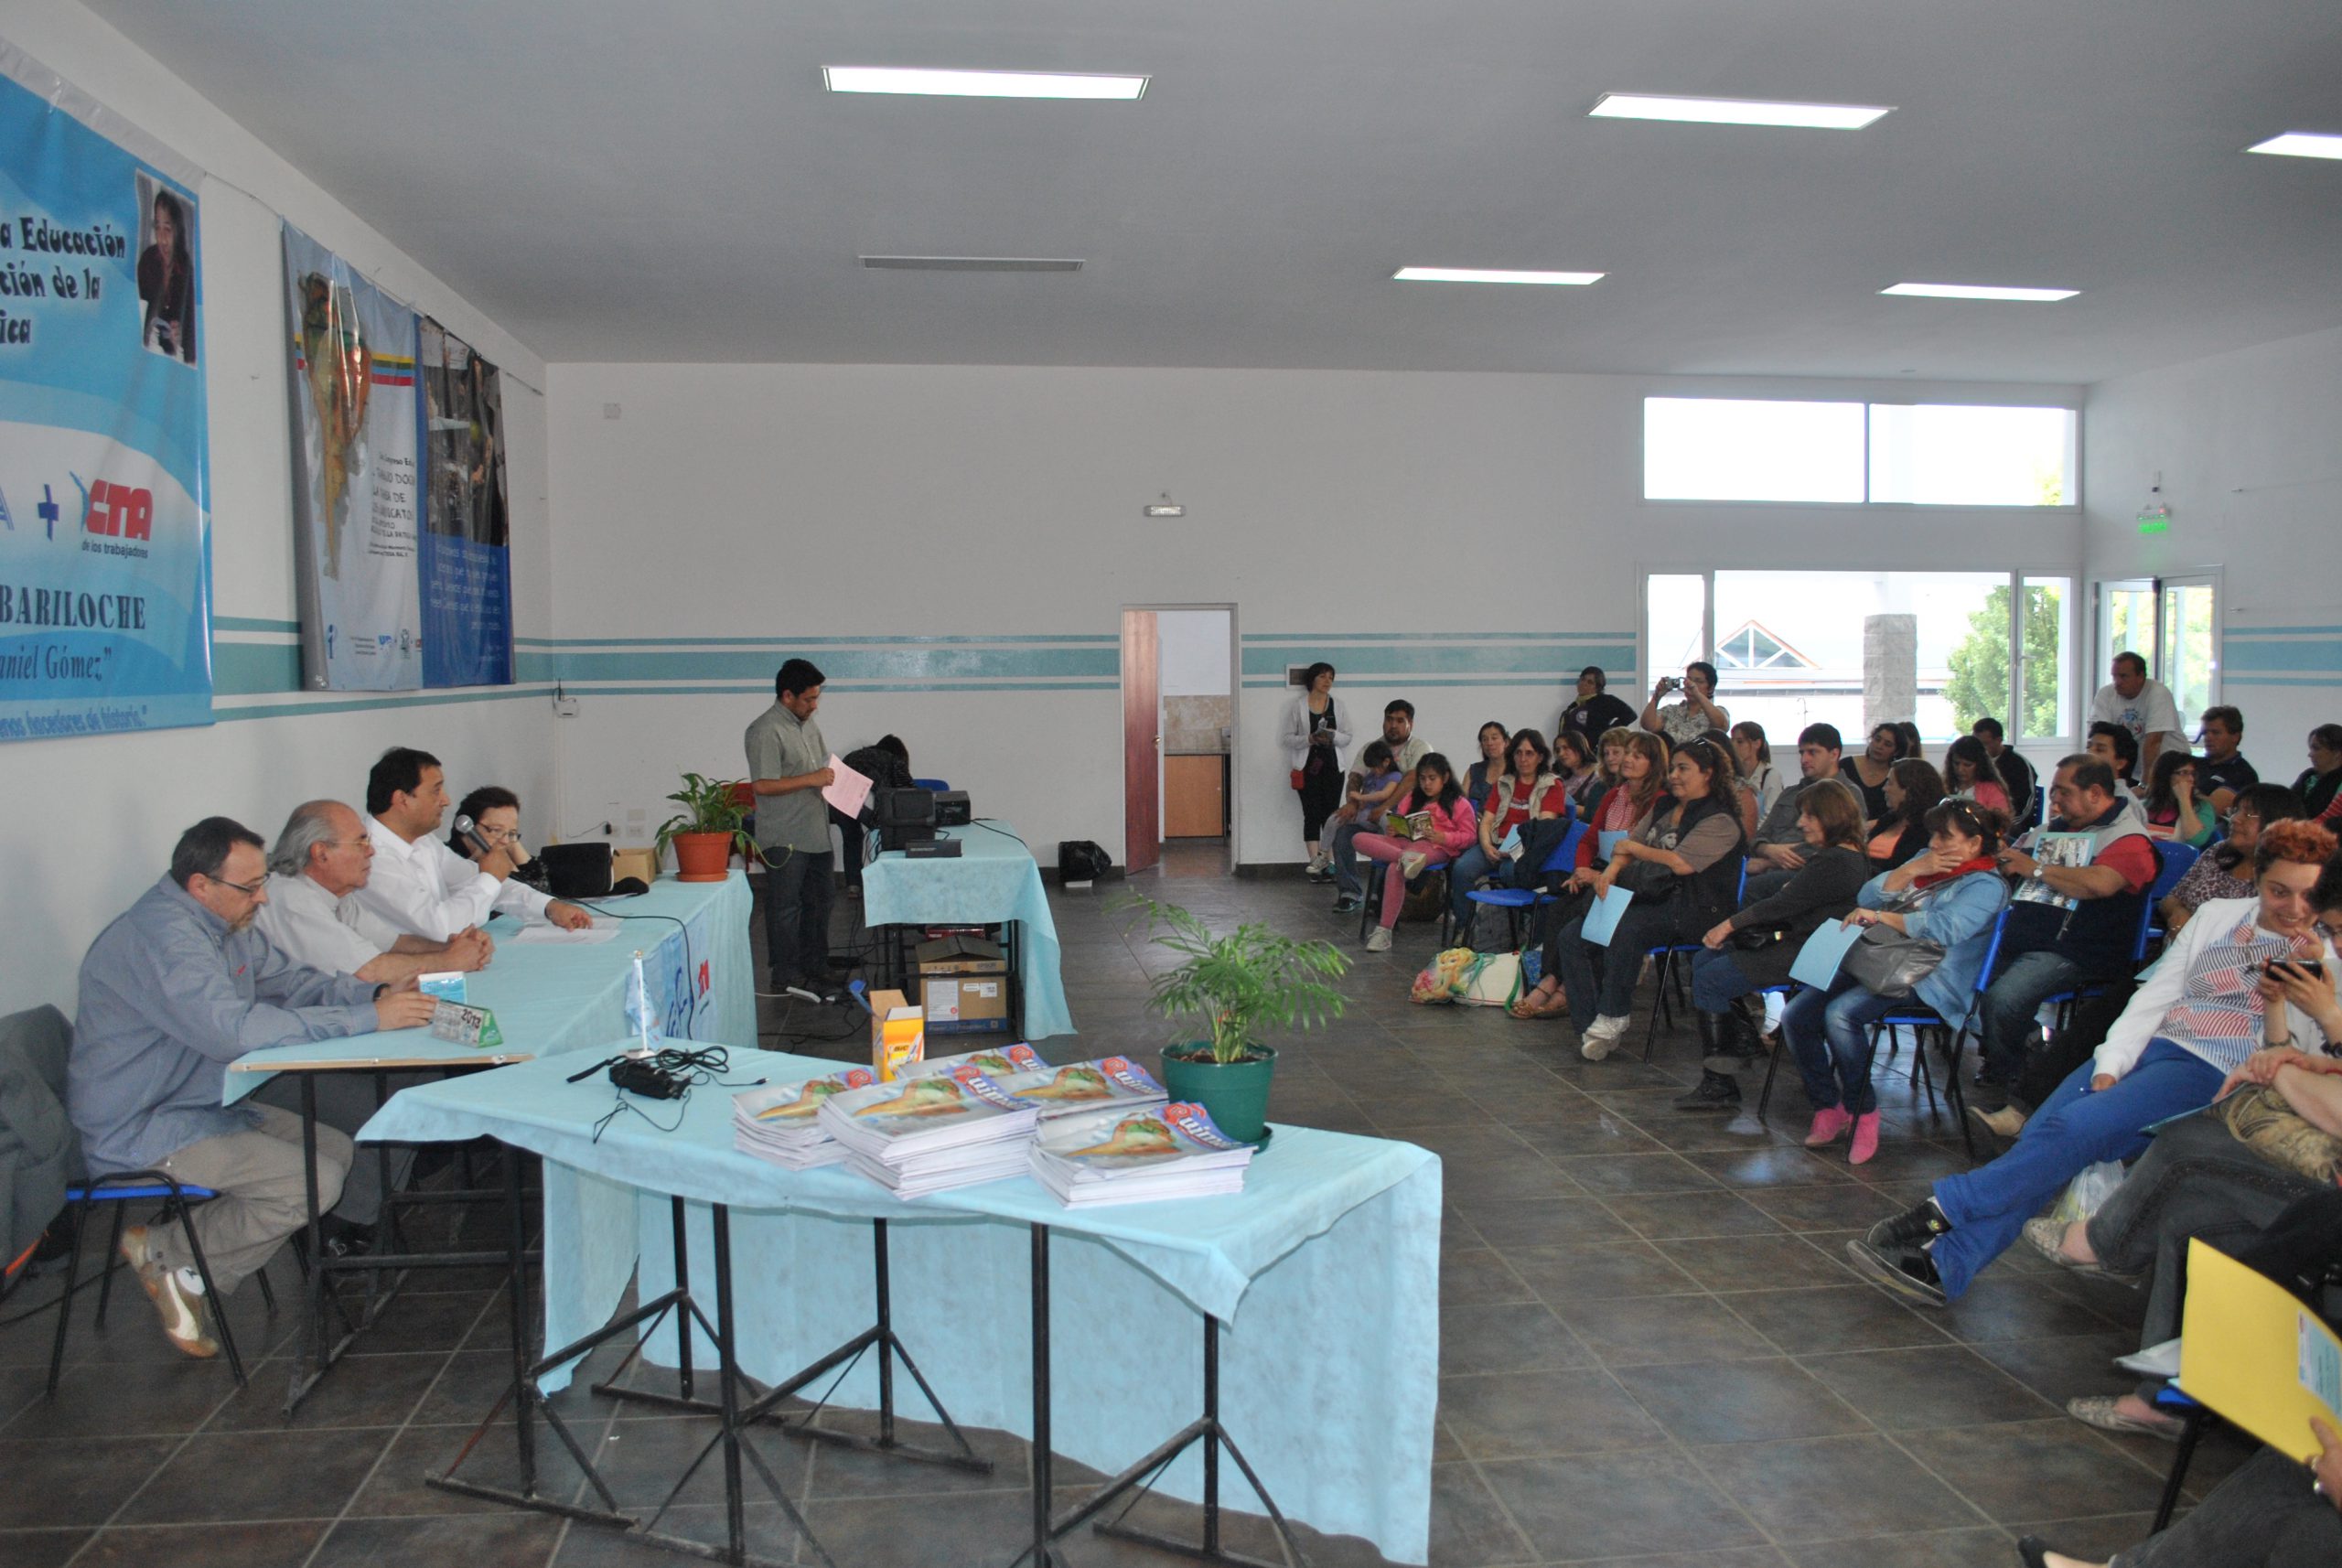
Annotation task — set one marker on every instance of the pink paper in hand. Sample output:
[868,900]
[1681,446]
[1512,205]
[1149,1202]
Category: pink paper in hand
[847,789]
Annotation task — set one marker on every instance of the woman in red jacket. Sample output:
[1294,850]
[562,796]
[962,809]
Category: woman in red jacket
[1453,828]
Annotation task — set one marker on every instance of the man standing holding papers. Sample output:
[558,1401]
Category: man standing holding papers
[789,766]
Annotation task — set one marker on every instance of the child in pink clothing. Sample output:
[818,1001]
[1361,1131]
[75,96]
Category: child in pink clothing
[1454,827]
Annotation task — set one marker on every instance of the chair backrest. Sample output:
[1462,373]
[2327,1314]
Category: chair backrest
[1564,853]
[2177,858]
[2146,930]
[938,785]
[40,1153]
[1992,949]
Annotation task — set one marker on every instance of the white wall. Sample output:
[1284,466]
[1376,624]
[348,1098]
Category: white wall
[1193,653]
[2249,446]
[1389,522]
[91,821]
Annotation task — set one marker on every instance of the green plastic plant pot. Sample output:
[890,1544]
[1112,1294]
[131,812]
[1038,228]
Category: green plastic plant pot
[1235,1093]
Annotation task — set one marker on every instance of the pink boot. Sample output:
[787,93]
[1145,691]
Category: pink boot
[1829,1126]
[1865,1142]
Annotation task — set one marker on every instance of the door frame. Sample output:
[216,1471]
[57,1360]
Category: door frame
[2210,577]
[1235,719]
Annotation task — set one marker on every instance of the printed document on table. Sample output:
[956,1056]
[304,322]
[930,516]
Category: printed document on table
[586,936]
[847,789]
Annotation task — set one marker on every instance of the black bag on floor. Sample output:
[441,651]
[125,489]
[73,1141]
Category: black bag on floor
[1082,860]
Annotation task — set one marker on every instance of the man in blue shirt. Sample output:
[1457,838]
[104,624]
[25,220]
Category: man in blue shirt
[174,990]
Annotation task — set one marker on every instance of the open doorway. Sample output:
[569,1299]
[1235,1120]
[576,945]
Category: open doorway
[1179,738]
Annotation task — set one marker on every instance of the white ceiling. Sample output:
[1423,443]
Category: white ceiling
[613,179]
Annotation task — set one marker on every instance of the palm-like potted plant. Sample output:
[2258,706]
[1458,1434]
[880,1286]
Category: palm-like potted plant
[707,831]
[1250,978]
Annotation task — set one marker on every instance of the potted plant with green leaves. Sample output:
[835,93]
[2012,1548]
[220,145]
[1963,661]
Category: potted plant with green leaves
[707,831]
[1250,978]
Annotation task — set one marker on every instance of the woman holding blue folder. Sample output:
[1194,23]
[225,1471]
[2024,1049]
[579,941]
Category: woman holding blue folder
[1948,896]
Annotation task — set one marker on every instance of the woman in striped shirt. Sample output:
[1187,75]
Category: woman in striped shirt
[2194,1020]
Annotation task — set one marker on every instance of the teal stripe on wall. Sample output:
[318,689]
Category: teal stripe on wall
[252,623]
[2245,655]
[1353,637]
[246,669]
[344,703]
[1394,659]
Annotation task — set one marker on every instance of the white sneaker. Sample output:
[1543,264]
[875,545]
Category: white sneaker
[1603,1037]
[1379,939]
[1411,864]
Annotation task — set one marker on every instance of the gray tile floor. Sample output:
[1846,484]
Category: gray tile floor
[1650,1349]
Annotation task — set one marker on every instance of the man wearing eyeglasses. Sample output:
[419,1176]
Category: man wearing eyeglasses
[172,992]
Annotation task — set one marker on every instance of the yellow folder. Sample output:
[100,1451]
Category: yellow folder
[2256,1355]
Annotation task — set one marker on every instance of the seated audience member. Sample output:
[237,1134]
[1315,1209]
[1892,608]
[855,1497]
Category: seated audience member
[1528,792]
[1951,896]
[1593,713]
[887,763]
[2072,925]
[2320,785]
[2225,870]
[1869,771]
[2015,773]
[420,886]
[1914,744]
[1913,789]
[1692,718]
[1968,774]
[2193,1022]
[1406,750]
[2173,810]
[2222,770]
[495,813]
[322,856]
[1781,844]
[1450,830]
[2119,749]
[1755,755]
[1496,746]
[1683,865]
[1573,767]
[1625,806]
[173,991]
[1743,793]
[1372,790]
[1751,950]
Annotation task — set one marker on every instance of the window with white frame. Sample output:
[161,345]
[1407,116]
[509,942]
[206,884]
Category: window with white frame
[1759,449]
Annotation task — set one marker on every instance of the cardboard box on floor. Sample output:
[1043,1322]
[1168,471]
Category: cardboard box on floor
[964,985]
[897,1034]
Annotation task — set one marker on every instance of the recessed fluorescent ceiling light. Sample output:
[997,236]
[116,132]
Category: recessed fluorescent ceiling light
[1487,274]
[2301,145]
[975,264]
[979,83]
[1736,112]
[1976,291]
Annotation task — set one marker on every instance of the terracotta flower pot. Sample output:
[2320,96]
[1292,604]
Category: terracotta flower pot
[702,857]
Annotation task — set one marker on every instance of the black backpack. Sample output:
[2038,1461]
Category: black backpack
[1082,860]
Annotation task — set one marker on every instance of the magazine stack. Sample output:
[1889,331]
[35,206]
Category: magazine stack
[995,1063]
[782,1124]
[919,1135]
[1108,1083]
[1138,1156]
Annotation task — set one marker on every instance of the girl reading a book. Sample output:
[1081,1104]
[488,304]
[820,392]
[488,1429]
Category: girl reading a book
[1440,825]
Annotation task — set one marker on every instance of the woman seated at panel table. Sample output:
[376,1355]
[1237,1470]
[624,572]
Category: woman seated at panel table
[1968,774]
[1526,792]
[2225,870]
[1913,789]
[2198,1016]
[2174,811]
[1951,897]
[495,813]
[1452,827]
[1682,862]
[1751,952]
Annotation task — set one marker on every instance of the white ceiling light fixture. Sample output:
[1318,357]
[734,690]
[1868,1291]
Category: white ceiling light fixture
[1736,112]
[973,264]
[980,83]
[1978,291]
[1492,275]
[2301,145]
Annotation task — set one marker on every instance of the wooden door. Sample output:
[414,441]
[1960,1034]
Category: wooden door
[1142,743]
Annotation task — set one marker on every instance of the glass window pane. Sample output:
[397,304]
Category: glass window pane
[1957,455]
[2126,624]
[2186,663]
[1736,450]
[1675,608]
[2047,710]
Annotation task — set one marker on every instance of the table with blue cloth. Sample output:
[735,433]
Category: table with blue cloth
[559,997]
[993,879]
[1324,1274]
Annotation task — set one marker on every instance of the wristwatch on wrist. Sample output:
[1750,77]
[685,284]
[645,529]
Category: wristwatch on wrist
[2039,873]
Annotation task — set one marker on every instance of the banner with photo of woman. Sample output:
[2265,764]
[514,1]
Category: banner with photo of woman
[467,560]
[354,476]
[105,612]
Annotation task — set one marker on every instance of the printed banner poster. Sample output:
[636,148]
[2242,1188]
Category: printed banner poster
[354,454]
[466,562]
[105,614]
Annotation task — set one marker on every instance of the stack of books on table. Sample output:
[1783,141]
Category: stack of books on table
[782,1124]
[1138,1156]
[920,1135]
[1109,1082]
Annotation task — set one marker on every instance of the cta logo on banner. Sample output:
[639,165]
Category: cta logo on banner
[355,499]
[467,559]
[105,618]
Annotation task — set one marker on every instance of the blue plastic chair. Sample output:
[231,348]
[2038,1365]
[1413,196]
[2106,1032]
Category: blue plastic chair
[1665,952]
[122,1190]
[1513,900]
[2178,859]
[2064,1001]
[1925,1020]
[2193,1419]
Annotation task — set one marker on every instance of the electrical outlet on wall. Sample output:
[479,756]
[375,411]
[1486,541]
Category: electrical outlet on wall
[638,824]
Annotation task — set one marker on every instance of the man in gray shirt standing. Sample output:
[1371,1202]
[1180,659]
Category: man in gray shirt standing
[789,766]
[173,991]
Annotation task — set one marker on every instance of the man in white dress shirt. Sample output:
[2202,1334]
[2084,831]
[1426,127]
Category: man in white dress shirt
[421,886]
[321,859]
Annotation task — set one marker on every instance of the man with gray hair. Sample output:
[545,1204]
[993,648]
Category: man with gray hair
[322,858]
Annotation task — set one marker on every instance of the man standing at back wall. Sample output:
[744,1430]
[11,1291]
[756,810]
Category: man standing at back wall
[789,766]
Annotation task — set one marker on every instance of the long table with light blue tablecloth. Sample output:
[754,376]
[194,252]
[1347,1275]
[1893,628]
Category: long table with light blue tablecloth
[993,877]
[1324,1273]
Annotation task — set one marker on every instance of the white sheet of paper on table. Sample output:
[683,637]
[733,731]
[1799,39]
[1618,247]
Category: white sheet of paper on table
[847,789]
[585,936]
